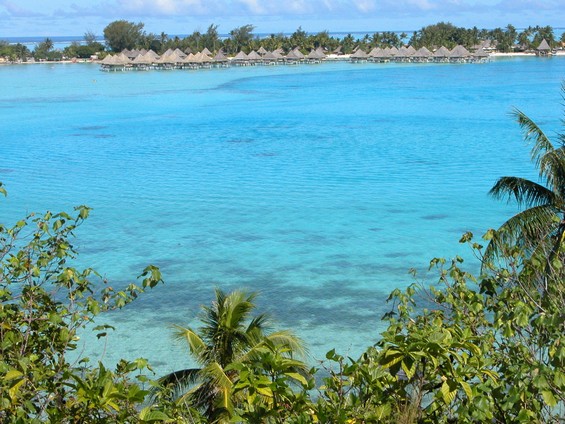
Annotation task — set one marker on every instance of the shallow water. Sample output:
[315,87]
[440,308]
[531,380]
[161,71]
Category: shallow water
[318,186]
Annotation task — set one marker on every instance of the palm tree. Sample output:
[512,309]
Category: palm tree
[539,229]
[229,335]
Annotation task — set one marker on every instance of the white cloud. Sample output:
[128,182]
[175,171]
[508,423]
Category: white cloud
[253,6]
[276,15]
[16,10]
[365,6]
[162,7]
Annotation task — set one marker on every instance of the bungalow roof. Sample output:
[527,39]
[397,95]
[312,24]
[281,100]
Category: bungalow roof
[544,45]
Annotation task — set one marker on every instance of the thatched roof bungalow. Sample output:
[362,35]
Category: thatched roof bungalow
[543,48]
[442,54]
[422,55]
[359,56]
[377,55]
[481,55]
[240,59]
[393,51]
[294,56]
[254,57]
[180,53]
[115,62]
[459,54]
[221,58]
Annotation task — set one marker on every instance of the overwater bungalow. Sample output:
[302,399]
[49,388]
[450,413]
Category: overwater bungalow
[143,62]
[278,53]
[403,55]
[254,58]
[377,55]
[220,59]
[315,56]
[240,59]
[118,62]
[180,53]
[459,54]
[411,50]
[544,49]
[131,54]
[269,58]
[359,56]
[169,61]
[422,55]
[203,60]
[177,59]
[481,55]
[441,54]
[393,52]
[294,57]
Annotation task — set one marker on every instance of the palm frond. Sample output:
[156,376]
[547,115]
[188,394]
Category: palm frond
[525,192]
[184,377]
[552,169]
[237,313]
[532,132]
[260,322]
[222,384]
[197,346]
[276,341]
[175,384]
[199,396]
[287,339]
[561,136]
[527,229]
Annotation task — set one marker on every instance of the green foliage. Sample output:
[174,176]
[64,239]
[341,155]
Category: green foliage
[122,34]
[240,38]
[466,349]
[448,35]
[243,368]
[44,302]
[83,51]
[44,50]
[14,52]
[540,228]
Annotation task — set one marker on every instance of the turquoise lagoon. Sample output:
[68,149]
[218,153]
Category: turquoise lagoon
[319,186]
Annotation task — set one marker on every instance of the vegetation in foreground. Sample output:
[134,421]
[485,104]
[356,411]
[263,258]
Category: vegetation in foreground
[121,34]
[466,349]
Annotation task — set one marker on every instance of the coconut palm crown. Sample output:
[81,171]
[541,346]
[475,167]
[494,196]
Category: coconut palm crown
[539,229]
[229,335]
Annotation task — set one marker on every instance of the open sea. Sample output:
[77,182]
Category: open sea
[318,186]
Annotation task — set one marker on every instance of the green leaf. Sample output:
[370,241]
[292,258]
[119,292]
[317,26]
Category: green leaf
[467,389]
[408,366]
[559,379]
[10,375]
[265,391]
[548,398]
[15,388]
[391,357]
[448,391]
[149,415]
[297,377]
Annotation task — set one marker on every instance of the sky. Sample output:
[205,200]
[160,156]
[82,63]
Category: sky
[21,18]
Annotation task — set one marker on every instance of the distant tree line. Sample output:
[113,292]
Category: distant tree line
[122,34]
